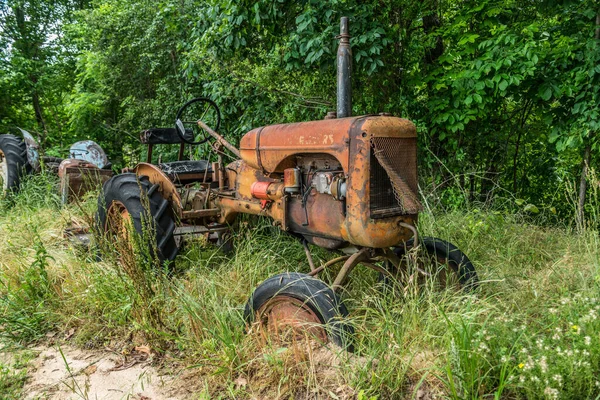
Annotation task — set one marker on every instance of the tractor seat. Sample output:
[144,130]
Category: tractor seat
[187,170]
[164,136]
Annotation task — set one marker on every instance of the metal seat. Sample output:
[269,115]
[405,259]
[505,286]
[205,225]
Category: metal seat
[164,136]
[187,170]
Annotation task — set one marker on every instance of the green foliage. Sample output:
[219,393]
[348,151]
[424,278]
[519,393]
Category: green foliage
[504,94]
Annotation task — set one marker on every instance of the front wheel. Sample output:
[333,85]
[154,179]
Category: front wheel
[441,261]
[128,198]
[292,306]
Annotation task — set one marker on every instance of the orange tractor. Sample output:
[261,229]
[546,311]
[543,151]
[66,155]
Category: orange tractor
[346,183]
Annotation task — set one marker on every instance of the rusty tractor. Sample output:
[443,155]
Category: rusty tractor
[86,167]
[347,184]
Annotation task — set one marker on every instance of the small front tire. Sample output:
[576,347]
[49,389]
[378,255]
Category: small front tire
[444,261]
[300,304]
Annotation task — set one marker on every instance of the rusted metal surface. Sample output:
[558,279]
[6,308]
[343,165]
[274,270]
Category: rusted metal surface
[291,319]
[344,71]
[353,261]
[33,149]
[267,190]
[276,147]
[220,139]
[322,218]
[193,214]
[259,190]
[311,263]
[78,177]
[325,217]
[359,228]
[216,172]
[90,151]
[166,187]
[242,177]
[292,180]
[221,179]
[399,162]
[198,229]
[328,264]
[414,231]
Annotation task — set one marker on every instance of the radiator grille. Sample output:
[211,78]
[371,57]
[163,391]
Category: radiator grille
[393,177]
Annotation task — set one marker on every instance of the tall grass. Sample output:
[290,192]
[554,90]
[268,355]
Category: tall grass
[531,331]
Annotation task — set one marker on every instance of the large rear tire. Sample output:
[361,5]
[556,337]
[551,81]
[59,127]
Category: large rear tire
[138,199]
[13,163]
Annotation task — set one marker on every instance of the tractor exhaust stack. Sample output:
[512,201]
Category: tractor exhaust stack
[344,72]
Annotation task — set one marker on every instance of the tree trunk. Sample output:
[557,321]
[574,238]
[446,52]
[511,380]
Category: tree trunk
[586,160]
[583,186]
[30,49]
[39,116]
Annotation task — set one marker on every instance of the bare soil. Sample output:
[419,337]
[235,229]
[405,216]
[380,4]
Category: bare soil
[70,373]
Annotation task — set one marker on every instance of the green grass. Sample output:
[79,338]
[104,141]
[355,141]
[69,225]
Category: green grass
[13,373]
[530,332]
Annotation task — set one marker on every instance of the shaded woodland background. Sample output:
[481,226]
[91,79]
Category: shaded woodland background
[505,94]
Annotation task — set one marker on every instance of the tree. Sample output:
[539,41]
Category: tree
[37,63]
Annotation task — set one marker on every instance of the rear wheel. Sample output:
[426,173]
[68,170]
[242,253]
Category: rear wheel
[13,162]
[293,306]
[127,198]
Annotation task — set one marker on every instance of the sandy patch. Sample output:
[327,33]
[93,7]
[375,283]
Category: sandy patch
[71,373]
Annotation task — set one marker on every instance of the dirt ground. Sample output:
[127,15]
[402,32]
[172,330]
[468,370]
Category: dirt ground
[70,373]
[65,373]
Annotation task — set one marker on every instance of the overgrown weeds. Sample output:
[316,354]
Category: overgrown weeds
[530,331]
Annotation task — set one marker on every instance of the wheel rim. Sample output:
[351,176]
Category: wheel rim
[3,172]
[118,219]
[428,268]
[290,319]
[437,270]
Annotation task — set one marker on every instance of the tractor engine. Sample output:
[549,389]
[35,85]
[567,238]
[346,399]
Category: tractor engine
[339,182]
[336,182]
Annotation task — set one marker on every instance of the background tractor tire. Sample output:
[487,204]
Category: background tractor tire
[14,165]
[130,191]
[52,163]
[308,292]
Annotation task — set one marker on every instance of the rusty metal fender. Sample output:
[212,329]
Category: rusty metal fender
[166,187]
[77,177]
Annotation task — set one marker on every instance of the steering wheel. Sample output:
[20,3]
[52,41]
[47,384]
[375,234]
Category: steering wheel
[187,119]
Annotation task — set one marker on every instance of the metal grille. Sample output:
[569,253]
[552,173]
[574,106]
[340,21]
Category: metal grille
[393,181]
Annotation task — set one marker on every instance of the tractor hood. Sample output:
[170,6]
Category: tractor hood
[273,148]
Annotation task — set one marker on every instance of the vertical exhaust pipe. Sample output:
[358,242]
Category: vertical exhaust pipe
[344,72]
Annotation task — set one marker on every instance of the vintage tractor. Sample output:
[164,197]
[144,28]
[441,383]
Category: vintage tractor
[346,183]
[85,168]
